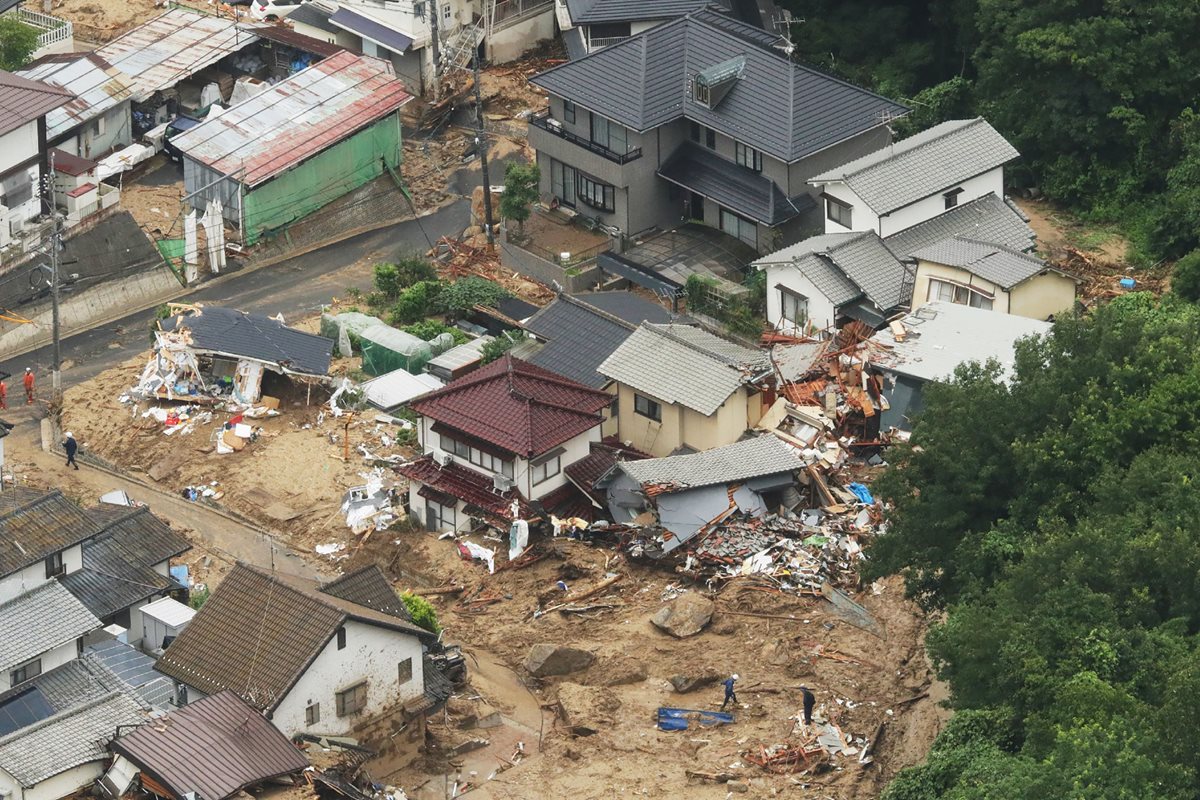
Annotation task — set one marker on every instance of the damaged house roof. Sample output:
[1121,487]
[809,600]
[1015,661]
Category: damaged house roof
[846,266]
[211,748]
[511,404]
[684,364]
[923,164]
[584,329]
[751,458]
[454,482]
[295,619]
[782,108]
[939,336]
[237,334]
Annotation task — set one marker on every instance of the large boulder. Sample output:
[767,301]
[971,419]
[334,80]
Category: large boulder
[687,683]
[547,660]
[684,616]
[586,709]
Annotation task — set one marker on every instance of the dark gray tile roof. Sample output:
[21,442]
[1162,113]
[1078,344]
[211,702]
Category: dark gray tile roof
[751,458]
[985,219]
[73,683]
[784,109]
[315,15]
[845,265]
[590,12]
[35,524]
[573,39]
[214,747]
[133,668]
[438,687]
[142,537]
[39,620]
[368,587]
[923,164]
[68,739]
[254,336]
[737,188]
[992,262]
[684,365]
[583,330]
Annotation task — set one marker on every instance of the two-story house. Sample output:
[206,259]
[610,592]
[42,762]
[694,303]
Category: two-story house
[879,211]
[97,120]
[701,118]
[23,151]
[683,389]
[498,439]
[314,658]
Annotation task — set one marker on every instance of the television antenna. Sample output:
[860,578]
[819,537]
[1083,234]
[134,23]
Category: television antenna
[783,24]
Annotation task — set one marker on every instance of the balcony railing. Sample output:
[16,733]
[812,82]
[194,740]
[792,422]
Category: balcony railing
[601,42]
[52,29]
[544,121]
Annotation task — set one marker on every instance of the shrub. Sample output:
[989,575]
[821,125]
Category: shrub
[387,280]
[198,598]
[426,329]
[422,612]
[460,297]
[1185,278]
[415,303]
[499,346]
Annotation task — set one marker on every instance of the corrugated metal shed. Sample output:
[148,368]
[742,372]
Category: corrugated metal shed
[296,118]
[97,85]
[172,46]
[214,747]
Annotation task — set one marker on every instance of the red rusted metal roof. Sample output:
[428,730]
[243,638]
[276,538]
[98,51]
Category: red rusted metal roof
[297,118]
[522,409]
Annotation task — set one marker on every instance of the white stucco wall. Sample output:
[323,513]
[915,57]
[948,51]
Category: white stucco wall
[54,657]
[372,654]
[56,786]
[33,576]
[18,145]
[820,310]
[935,205]
[862,218]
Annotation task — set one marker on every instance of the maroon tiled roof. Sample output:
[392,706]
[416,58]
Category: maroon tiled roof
[467,485]
[568,501]
[525,410]
[604,456]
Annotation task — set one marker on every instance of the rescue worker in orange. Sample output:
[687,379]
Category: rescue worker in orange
[28,386]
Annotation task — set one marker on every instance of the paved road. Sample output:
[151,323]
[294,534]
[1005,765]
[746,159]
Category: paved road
[294,287]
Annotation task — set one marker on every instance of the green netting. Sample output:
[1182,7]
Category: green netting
[385,349]
[171,248]
[321,179]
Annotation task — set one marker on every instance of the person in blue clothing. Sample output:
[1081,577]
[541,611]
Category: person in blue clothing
[729,693]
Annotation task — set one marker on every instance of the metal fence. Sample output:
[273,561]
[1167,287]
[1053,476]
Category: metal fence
[508,12]
[53,29]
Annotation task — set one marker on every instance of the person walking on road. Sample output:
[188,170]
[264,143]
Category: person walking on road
[3,393]
[28,386]
[809,701]
[71,446]
[729,693]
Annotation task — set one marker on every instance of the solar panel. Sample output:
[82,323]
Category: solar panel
[23,709]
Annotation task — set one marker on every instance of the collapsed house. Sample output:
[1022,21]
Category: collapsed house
[212,355]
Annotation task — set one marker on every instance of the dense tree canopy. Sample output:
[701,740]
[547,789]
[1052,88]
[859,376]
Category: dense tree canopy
[1098,95]
[1054,520]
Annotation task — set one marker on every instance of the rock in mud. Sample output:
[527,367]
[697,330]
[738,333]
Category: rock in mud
[684,616]
[547,660]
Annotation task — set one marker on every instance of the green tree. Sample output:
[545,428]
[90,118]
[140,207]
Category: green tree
[520,192]
[17,43]
[460,297]
[499,346]
[422,612]
[1185,277]
[415,303]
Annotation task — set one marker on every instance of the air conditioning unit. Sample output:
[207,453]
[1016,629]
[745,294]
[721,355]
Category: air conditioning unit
[502,483]
[445,459]
[5,234]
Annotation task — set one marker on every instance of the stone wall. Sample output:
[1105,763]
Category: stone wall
[580,279]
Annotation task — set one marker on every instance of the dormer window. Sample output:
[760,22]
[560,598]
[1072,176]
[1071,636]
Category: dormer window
[712,84]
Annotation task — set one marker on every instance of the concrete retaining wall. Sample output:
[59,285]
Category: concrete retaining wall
[581,278]
[510,43]
[107,301]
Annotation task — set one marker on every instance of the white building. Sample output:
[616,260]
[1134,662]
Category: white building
[317,659]
[496,439]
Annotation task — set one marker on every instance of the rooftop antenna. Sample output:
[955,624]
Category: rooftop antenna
[886,117]
[783,24]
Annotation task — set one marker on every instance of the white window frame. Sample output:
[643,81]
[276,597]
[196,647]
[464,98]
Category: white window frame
[545,470]
[959,294]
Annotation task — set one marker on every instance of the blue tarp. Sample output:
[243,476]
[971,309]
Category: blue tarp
[862,493]
[676,719]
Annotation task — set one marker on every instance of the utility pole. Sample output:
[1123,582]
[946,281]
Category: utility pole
[481,143]
[55,239]
[437,50]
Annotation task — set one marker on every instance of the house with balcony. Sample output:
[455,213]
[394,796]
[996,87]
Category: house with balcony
[702,118]
[498,440]
[681,389]
[919,195]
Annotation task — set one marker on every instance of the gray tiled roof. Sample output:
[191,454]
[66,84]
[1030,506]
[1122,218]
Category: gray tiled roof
[740,189]
[590,12]
[684,365]
[68,739]
[255,336]
[39,620]
[1000,265]
[315,15]
[580,336]
[627,306]
[923,164]
[751,458]
[71,684]
[985,219]
[784,109]
[845,265]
